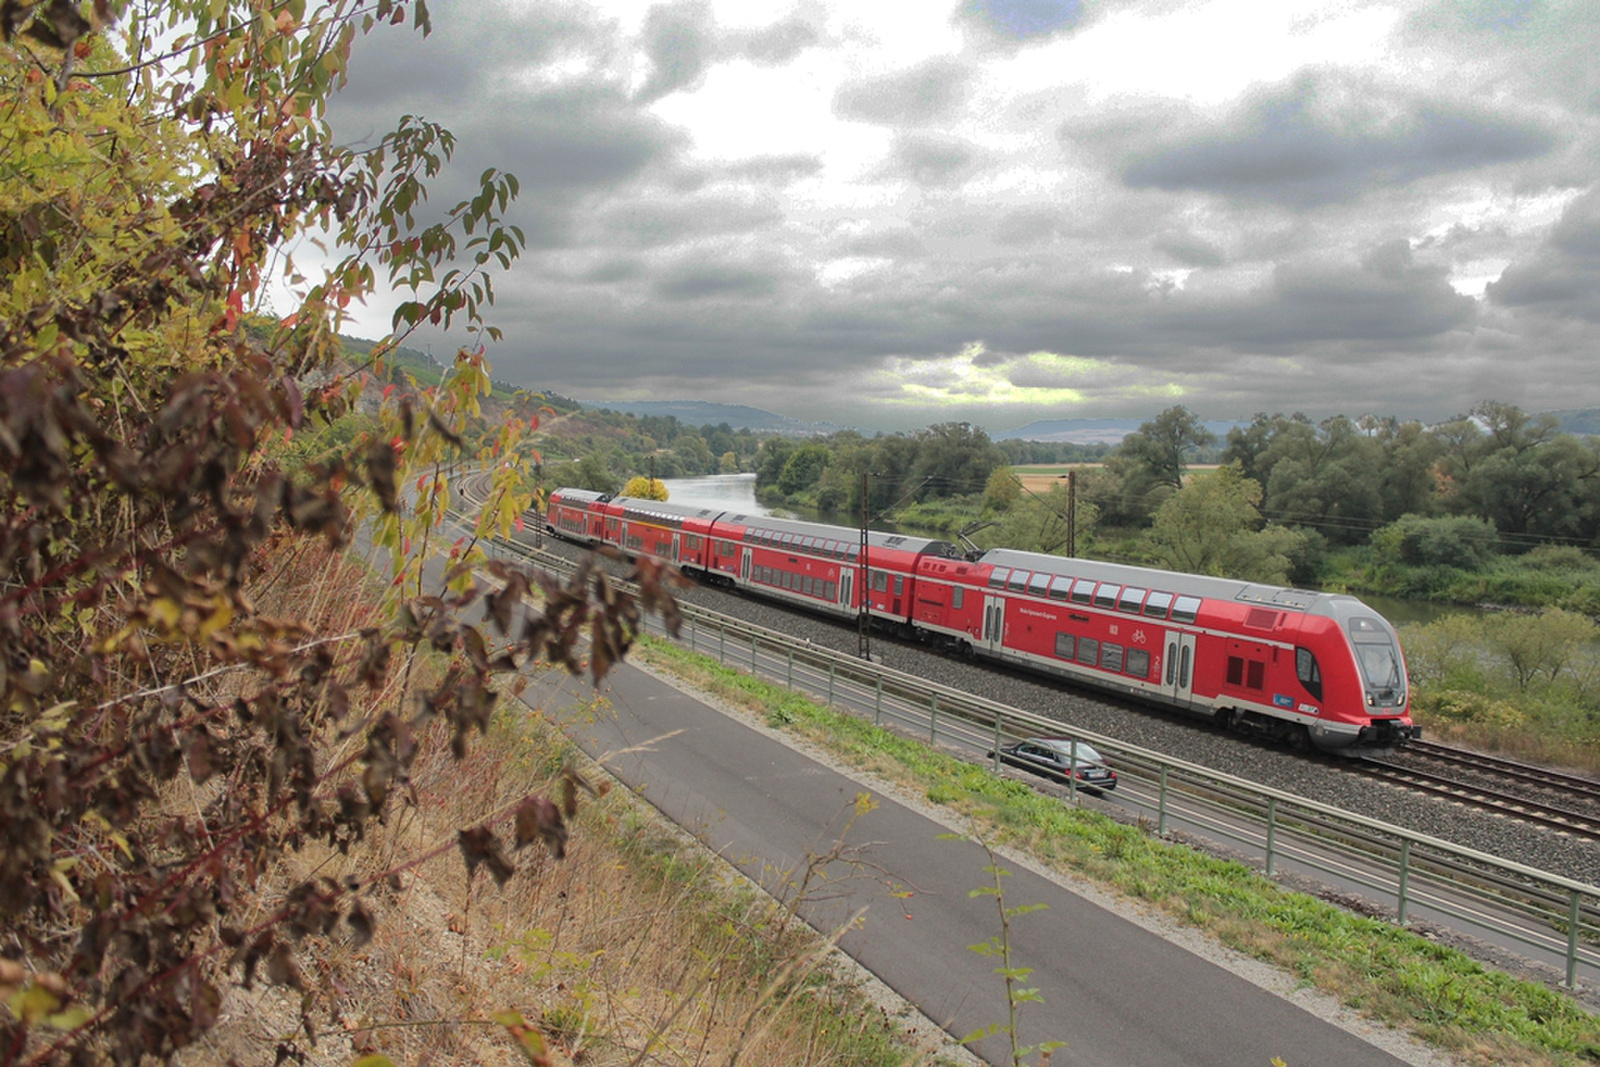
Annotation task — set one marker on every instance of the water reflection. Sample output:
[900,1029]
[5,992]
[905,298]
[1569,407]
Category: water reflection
[729,492]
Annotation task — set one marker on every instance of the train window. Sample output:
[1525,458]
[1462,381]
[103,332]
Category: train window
[830,590]
[1018,581]
[899,585]
[1083,590]
[1059,587]
[1130,599]
[1066,645]
[997,577]
[1156,607]
[1038,584]
[1111,657]
[880,581]
[805,584]
[1138,663]
[852,552]
[1089,651]
[1254,674]
[1185,609]
[1305,665]
[1235,670]
[955,596]
[1106,595]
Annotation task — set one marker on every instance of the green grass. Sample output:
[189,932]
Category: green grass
[1386,972]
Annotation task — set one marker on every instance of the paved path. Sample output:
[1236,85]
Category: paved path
[1116,993]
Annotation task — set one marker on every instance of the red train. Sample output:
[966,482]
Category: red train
[1307,668]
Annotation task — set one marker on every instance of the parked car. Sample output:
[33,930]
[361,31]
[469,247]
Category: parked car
[1051,757]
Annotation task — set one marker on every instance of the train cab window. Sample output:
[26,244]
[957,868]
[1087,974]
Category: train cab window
[1060,586]
[1038,584]
[1111,657]
[1138,663]
[1083,590]
[1158,603]
[880,581]
[1106,595]
[1089,651]
[1018,581]
[955,596]
[1130,599]
[998,576]
[1066,645]
[1305,666]
[1185,609]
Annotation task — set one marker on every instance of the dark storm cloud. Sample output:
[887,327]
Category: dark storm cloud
[928,159]
[473,49]
[680,41]
[701,278]
[1562,276]
[1329,136]
[1191,251]
[918,95]
[580,136]
[1021,20]
[647,222]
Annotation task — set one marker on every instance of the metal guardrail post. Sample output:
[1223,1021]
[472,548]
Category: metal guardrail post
[877,704]
[754,640]
[1572,939]
[1405,879]
[722,643]
[1272,831]
[933,719]
[1161,805]
[788,678]
[1072,770]
[995,755]
[832,667]
[693,629]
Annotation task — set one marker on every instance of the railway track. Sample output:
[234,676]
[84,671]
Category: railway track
[1553,800]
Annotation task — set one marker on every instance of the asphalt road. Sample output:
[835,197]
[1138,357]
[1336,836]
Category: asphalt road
[1116,993]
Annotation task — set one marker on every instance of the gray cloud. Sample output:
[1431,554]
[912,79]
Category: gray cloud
[680,40]
[778,43]
[1562,277]
[928,159]
[1328,136]
[1021,20]
[774,170]
[1189,250]
[916,96]
[702,278]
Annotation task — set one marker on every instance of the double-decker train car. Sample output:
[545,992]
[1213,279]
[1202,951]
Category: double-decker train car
[1303,667]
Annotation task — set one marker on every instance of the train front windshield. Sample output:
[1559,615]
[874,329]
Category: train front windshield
[1379,655]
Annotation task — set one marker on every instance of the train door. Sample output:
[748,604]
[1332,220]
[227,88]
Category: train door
[1177,673]
[677,556]
[846,586]
[744,566]
[994,621]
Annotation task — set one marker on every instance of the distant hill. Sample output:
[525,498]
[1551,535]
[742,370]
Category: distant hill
[706,413]
[1090,431]
[1585,421]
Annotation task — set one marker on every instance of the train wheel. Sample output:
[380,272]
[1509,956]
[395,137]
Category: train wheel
[1299,738]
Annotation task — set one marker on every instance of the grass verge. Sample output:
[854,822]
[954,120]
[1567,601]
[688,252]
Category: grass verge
[1386,972]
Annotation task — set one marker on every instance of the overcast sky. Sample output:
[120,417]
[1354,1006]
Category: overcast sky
[891,214]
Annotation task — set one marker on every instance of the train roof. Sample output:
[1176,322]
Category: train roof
[848,534]
[673,514]
[1199,585]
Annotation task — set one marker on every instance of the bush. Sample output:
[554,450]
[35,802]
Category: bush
[1458,541]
